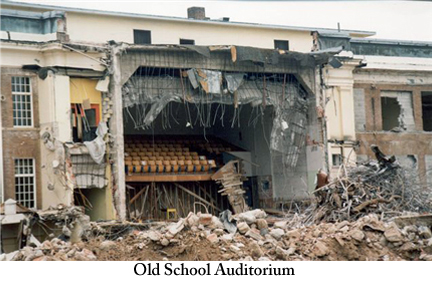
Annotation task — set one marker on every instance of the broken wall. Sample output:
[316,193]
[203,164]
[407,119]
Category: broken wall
[293,104]
[408,142]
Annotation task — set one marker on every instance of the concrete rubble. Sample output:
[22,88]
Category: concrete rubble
[204,237]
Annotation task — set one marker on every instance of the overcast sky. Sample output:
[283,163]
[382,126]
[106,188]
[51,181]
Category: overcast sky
[402,20]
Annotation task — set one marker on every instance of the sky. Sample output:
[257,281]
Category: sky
[398,20]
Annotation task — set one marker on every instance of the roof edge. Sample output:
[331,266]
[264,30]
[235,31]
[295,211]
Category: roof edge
[179,19]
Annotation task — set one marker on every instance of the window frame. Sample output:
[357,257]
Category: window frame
[33,175]
[424,94]
[182,39]
[287,41]
[150,36]
[30,94]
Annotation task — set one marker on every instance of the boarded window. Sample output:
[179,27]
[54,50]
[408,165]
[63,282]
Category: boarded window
[187,42]
[427,111]
[142,37]
[397,111]
[281,44]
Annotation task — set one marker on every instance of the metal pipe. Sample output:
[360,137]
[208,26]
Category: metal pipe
[86,55]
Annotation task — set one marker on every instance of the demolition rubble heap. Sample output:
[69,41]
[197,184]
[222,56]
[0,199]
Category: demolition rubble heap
[383,188]
[374,212]
[248,236]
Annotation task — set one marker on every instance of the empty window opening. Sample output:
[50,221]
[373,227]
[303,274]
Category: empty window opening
[397,111]
[337,159]
[187,42]
[427,111]
[142,37]
[25,182]
[390,110]
[22,102]
[281,44]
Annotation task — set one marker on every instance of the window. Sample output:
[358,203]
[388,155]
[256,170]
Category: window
[427,111]
[84,122]
[281,44]
[187,42]
[337,159]
[22,102]
[25,190]
[142,37]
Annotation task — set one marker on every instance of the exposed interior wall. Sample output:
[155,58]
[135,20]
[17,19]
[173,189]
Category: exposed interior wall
[101,202]
[101,199]
[84,88]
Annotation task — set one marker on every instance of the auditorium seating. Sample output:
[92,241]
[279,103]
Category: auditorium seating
[171,156]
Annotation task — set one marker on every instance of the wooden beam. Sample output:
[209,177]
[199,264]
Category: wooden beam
[196,196]
[137,195]
[168,178]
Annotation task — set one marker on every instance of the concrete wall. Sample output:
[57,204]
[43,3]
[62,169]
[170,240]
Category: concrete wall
[55,120]
[245,135]
[428,162]
[100,29]
[339,112]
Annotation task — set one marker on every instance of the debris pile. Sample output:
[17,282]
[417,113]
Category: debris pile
[383,188]
[255,236]
[72,221]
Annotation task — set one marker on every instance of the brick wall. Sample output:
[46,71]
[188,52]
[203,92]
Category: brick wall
[19,142]
[414,142]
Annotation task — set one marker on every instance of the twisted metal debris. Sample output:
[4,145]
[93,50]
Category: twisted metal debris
[384,188]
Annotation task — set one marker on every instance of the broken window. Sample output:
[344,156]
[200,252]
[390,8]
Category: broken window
[397,111]
[281,44]
[187,42]
[142,37]
[427,111]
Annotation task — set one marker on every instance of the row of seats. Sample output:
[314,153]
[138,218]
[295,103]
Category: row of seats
[144,155]
[168,166]
[160,153]
[181,157]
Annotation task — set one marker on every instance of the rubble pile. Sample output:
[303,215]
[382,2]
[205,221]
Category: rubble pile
[248,236]
[72,221]
[383,188]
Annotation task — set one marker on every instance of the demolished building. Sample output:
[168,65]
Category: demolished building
[144,127]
